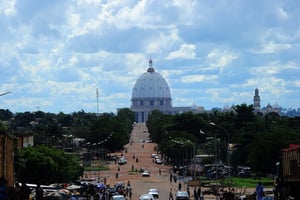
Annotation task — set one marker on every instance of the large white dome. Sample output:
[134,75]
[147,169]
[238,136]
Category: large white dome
[150,92]
[151,85]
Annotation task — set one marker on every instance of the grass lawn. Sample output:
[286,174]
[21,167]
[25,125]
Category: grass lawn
[96,168]
[251,182]
[241,182]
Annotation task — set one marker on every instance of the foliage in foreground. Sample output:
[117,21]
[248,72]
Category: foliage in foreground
[46,165]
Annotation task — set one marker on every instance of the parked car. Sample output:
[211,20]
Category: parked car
[146,173]
[158,161]
[182,195]
[154,192]
[153,155]
[146,197]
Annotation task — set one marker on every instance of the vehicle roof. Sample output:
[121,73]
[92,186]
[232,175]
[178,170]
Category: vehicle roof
[182,193]
[147,194]
[153,189]
[118,196]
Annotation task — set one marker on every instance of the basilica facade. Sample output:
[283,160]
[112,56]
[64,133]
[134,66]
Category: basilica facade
[152,92]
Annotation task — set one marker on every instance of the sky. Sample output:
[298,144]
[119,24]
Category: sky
[55,54]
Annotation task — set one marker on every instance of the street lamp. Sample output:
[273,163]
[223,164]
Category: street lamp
[5,93]
[228,148]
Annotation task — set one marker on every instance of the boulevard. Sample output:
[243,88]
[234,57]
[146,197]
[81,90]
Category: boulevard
[140,147]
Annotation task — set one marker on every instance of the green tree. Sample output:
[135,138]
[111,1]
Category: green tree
[244,114]
[46,165]
[109,126]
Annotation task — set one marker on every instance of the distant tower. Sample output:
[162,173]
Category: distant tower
[256,100]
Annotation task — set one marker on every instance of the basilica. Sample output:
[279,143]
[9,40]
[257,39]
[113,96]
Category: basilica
[151,92]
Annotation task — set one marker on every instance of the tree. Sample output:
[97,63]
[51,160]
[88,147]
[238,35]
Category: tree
[244,114]
[109,126]
[45,165]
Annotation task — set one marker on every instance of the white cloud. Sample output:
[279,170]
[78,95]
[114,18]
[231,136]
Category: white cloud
[271,47]
[297,83]
[161,43]
[282,13]
[274,68]
[54,55]
[186,51]
[220,59]
[198,78]
[7,7]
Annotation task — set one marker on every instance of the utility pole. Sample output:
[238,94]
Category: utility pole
[97,96]
[228,149]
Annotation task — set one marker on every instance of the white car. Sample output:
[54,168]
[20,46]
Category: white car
[153,155]
[154,192]
[146,173]
[146,197]
[182,195]
[158,161]
[118,197]
[122,161]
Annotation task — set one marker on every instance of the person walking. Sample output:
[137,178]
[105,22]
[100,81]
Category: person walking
[259,190]
[171,194]
[3,190]
[24,192]
[179,186]
[39,193]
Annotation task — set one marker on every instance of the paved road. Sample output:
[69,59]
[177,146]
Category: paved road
[141,149]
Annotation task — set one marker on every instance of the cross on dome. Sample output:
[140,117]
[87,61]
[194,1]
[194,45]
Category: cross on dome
[150,69]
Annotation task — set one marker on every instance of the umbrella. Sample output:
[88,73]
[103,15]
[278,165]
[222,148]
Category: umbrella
[100,185]
[64,191]
[54,194]
[73,187]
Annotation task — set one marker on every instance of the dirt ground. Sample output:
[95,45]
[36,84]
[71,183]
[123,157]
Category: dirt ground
[159,174]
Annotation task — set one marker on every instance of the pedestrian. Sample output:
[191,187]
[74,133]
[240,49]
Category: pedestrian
[195,194]
[171,177]
[259,190]
[16,192]
[39,193]
[179,186]
[199,192]
[130,194]
[171,194]
[3,190]
[175,178]
[24,192]
[73,197]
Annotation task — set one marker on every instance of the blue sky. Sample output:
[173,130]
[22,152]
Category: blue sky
[54,54]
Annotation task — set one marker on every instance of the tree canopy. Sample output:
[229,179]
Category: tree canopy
[256,139]
[46,165]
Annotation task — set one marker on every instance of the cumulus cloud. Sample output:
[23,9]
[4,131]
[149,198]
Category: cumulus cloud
[220,59]
[54,54]
[198,78]
[186,51]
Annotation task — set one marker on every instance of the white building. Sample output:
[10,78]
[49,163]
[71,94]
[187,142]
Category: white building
[151,92]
